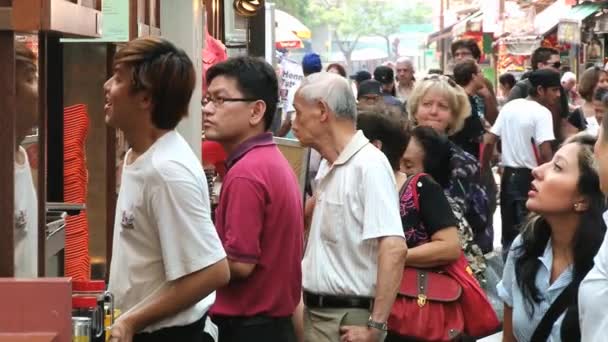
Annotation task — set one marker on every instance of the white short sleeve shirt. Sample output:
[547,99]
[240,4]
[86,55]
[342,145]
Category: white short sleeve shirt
[357,203]
[520,122]
[593,126]
[163,229]
[593,297]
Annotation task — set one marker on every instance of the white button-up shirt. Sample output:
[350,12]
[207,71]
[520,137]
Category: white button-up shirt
[357,203]
[525,322]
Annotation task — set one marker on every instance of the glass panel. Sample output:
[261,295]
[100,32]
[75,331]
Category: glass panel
[26,155]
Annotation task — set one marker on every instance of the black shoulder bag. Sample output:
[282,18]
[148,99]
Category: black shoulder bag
[561,303]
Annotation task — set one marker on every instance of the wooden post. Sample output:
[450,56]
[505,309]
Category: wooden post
[42,151]
[7,152]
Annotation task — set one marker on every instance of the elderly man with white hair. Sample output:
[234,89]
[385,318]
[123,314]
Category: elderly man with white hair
[568,82]
[405,78]
[356,249]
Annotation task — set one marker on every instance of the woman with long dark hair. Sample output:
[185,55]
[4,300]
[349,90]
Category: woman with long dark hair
[430,152]
[429,227]
[556,247]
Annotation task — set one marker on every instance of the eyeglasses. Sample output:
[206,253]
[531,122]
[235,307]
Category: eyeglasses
[219,100]
[463,54]
[435,77]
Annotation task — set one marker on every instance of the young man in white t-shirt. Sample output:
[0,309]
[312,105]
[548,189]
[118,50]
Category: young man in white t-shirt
[525,128]
[167,256]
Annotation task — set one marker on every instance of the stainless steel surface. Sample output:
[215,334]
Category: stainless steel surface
[81,328]
[55,243]
[70,208]
[55,206]
[55,240]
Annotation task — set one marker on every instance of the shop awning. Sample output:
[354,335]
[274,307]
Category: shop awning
[441,34]
[287,22]
[522,45]
[467,24]
[448,30]
[582,11]
[287,39]
[548,19]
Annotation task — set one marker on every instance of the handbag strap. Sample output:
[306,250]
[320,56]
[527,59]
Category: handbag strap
[412,180]
[561,303]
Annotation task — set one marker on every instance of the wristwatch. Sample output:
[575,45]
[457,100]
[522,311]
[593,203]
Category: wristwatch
[376,325]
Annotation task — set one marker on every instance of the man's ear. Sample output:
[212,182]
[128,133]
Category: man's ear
[540,90]
[257,112]
[324,110]
[145,100]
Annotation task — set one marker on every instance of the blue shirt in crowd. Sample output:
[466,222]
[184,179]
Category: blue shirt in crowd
[510,292]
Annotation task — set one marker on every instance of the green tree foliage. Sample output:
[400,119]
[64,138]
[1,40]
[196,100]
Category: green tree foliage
[297,8]
[349,20]
[386,19]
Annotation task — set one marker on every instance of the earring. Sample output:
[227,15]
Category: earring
[576,206]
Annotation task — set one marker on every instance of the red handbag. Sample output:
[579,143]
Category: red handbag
[427,306]
[479,317]
[441,305]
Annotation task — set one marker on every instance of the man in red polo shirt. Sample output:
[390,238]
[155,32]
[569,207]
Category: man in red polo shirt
[259,217]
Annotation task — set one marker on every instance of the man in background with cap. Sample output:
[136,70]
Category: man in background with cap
[525,127]
[386,77]
[545,58]
[311,63]
[369,95]
[360,77]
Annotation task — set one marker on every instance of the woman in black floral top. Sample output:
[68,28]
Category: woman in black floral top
[430,229]
[431,153]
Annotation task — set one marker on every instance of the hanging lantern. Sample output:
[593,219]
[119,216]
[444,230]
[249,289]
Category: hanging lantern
[248,8]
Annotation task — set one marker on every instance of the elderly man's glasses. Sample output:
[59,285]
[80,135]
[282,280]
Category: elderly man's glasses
[219,100]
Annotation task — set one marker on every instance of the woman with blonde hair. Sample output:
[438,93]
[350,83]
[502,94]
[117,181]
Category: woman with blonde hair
[438,102]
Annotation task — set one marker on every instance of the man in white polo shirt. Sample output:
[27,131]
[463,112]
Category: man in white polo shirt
[525,128]
[356,250]
[167,256]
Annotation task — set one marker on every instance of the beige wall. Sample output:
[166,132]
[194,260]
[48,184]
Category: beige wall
[182,24]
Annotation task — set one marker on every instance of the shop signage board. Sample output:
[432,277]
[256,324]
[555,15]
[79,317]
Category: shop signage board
[569,31]
[291,76]
[114,23]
